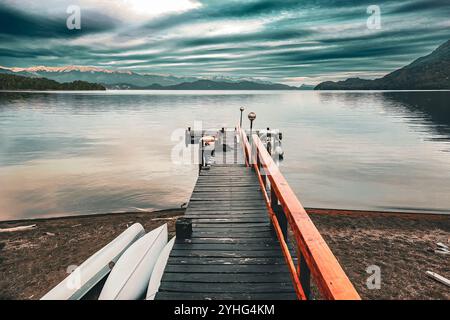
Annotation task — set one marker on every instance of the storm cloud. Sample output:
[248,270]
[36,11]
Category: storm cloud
[289,41]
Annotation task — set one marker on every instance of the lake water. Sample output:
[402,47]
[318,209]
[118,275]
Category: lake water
[83,153]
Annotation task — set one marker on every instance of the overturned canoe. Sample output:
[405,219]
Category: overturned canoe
[130,276]
[158,271]
[84,277]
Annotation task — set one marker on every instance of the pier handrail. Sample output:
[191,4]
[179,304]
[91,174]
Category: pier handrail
[314,257]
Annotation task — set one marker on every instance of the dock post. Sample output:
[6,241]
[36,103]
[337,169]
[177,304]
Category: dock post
[183,229]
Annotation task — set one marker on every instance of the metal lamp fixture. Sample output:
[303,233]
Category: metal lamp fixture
[251,117]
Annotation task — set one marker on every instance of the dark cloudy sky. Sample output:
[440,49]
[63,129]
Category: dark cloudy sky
[294,42]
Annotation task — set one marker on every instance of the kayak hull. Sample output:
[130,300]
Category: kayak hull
[130,276]
[158,270]
[84,277]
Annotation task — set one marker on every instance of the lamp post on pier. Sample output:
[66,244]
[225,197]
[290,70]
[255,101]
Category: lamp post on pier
[251,117]
[242,110]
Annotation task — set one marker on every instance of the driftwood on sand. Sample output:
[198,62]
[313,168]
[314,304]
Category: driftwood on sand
[439,278]
[20,228]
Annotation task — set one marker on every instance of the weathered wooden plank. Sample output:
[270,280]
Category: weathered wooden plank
[224,296]
[232,188]
[226,200]
[232,214]
[227,278]
[235,166]
[227,219]
[224,184]
[225,216]
[225,179]
[227,268]
[227,254]
[222,208]
[227,246]
[226,287]
[224,240]
[219,211]
[211,183]
[232,229]
[236,225]
[243,202]
[200,234]
[221,261]
[216,206]
[228,194]
[226,174]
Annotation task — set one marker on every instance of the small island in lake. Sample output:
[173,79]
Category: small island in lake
[15,82]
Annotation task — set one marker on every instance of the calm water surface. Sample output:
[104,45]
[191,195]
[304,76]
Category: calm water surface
[83,153]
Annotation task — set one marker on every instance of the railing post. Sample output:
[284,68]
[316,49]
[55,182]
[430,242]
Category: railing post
[304,275]
[269,141]
[253,154]
[263,176]
[235,146]
[191,135]
[201,153]
[224,145]
[279,214]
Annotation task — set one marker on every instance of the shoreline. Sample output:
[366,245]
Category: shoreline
[35,260]
[93,215]
[318,211]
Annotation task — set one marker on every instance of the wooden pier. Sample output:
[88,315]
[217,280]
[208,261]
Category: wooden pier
[240,248]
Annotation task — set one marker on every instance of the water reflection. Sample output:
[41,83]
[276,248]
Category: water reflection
[81,153]
[432,109]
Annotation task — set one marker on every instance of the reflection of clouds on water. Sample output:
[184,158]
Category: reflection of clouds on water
[84,186]
[81,153]
[24,149]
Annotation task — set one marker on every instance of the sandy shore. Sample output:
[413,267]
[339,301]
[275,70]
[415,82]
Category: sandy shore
[402,245]
[34,261]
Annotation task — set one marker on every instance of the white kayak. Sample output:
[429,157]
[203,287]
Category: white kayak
[129,278]
[158,271]
[84,277]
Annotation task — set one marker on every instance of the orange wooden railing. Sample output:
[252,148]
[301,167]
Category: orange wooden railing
[314,257]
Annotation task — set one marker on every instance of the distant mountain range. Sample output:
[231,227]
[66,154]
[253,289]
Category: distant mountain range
[118,79]
[431,72]
[217,85]
[15,82]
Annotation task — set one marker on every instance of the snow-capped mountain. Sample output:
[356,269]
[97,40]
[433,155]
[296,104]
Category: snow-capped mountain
[106,77]
[115,79]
